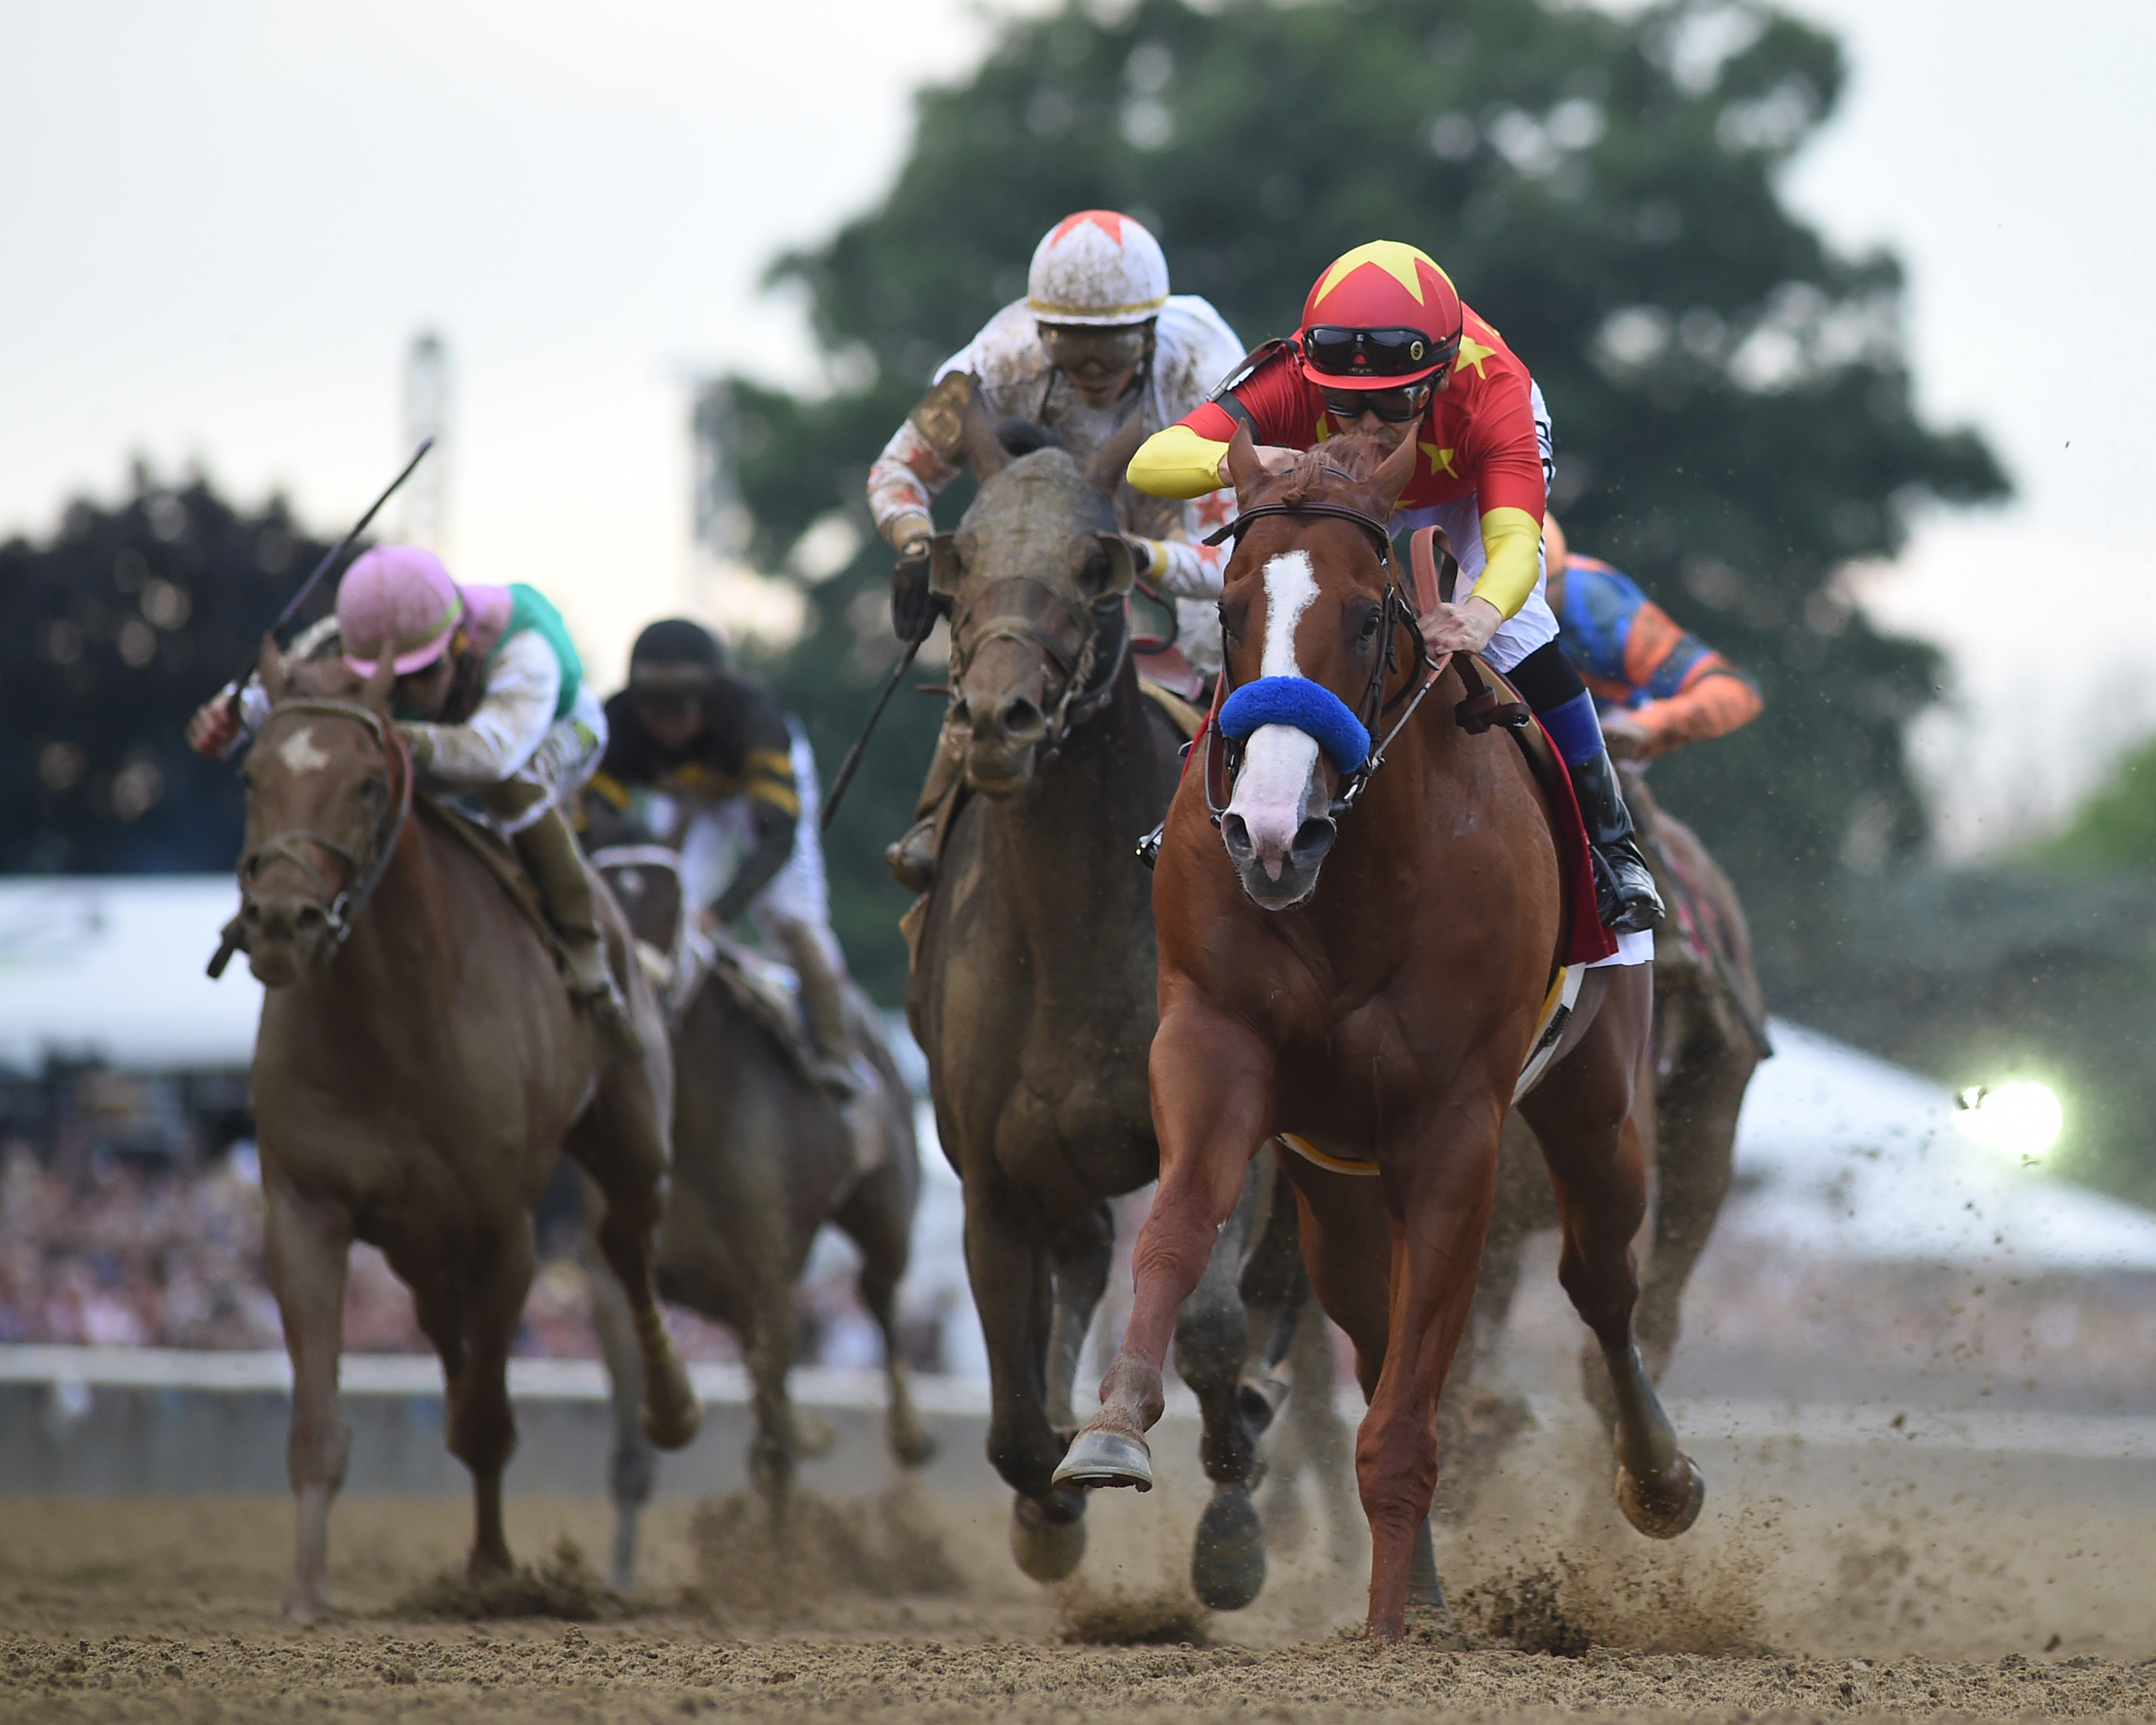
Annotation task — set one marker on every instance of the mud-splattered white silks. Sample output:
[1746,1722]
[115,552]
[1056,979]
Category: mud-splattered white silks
[1279,779]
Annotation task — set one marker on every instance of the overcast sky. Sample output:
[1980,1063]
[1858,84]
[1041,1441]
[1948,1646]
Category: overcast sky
[223,223]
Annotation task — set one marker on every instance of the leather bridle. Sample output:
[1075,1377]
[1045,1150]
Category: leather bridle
[1089,675]
[364,869]
[1397,611]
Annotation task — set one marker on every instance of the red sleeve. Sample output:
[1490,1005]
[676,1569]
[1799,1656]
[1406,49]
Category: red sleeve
[1506,460]
[1280,406]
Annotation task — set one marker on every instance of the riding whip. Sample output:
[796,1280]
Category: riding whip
[853,760]
[335,551]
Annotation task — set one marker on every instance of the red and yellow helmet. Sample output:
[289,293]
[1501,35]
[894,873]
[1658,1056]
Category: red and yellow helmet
[1383,316]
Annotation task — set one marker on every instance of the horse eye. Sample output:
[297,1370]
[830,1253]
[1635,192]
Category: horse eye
[373,788]
[1369,624]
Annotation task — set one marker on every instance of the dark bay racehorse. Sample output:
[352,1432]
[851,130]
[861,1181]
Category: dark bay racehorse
[1386,1016]
[1033,993]
[418,1072]
[763,1157]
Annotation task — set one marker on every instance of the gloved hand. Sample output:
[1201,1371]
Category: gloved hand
[914,609]
[215,726]
[1149,556]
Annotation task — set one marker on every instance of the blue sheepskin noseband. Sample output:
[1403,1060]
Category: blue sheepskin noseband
[1310,707]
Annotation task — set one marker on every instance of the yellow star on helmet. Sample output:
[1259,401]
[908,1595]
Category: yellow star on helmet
[1440,460]
[1396,259]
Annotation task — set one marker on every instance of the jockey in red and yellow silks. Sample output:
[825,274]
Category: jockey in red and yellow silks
[1387,347]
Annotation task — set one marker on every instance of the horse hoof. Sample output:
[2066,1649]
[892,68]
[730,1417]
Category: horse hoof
[913,1448]
[813,1437]
[1228,1557]
[1661,1512]
[672,1415]
[1047,1547]
[1098,1457]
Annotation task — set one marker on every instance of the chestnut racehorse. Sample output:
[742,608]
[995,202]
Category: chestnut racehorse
[1386,1017]
[418,1072]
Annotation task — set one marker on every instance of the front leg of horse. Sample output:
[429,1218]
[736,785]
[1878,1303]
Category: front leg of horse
[309,1243]
[1212,1350]
[1211,1092]
[1011,1289]
[482,1424]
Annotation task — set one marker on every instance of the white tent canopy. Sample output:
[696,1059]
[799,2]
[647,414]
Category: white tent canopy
[1841,1154]
[111,968]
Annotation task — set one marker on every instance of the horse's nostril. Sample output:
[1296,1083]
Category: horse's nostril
[1235,834]
[1313,840]
[311,917]
[1019,717]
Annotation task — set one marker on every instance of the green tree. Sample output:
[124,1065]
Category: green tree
[1734,409]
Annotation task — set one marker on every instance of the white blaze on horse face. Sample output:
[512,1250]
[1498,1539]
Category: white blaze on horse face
[299,753]
[1280,762]
[1291,584]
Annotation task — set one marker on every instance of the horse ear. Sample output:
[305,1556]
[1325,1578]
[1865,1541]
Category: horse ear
[1122,565]
[1106,467]
[945,570]
[269,666]
[1396,470]
[375,692]
[982,446]
[1244,469]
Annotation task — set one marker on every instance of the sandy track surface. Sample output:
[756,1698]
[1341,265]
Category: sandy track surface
[1884,1579]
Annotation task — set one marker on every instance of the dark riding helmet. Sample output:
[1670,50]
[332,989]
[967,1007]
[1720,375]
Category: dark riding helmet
[675,656]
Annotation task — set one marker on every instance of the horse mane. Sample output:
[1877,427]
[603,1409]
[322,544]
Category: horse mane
[1341,470]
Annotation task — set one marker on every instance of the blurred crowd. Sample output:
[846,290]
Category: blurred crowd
[129,1252]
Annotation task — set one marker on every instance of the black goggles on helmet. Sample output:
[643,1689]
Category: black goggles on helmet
[1334,350]
[1111,347]
[1395,407]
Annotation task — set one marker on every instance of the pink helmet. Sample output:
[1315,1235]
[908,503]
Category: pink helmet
[400,594]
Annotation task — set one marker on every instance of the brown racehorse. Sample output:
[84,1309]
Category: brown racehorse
[763,1157]
[1387,1017]
[418,1071]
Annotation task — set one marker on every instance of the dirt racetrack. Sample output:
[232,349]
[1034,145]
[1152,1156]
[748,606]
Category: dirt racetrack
[1886,1574]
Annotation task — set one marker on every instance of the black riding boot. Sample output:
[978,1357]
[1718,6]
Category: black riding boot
[1624,887]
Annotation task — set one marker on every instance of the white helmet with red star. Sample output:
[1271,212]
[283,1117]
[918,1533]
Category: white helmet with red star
[1096,267]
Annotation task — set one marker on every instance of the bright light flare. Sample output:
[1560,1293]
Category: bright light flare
[2023,1118]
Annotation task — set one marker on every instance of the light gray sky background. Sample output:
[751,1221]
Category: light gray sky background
[221,224]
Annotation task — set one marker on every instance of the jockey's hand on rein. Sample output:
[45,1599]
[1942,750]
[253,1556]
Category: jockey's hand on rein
[214,726]
[1464,628]
[914,609]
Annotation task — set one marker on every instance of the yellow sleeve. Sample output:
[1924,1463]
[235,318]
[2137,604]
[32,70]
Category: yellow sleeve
[1511,540]
[1177,463]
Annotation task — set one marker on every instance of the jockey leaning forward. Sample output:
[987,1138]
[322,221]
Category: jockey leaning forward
[1097,339]
[739,784]
[490,698]
[1387,347]
[1658,686]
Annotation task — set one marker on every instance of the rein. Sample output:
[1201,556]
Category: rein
[341,905]
[1088,681]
